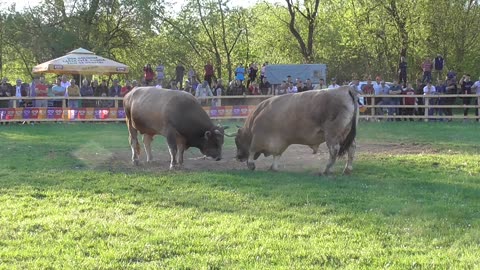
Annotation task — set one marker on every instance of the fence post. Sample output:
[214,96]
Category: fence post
[372,109]
[427,104]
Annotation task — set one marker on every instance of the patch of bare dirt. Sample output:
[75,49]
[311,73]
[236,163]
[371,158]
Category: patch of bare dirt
[297,158]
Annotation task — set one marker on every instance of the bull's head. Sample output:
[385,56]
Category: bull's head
[242,140]
[213,143]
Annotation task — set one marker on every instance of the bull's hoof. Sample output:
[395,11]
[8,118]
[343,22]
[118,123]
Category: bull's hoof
[173,167]
[273,169]
[251,165]
[135,162]
[347,172]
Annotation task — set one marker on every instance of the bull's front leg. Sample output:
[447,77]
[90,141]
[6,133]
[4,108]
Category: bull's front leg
[250,161]
[351,154]
[333,150]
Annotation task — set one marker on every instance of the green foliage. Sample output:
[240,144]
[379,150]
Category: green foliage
[59,209]
[354,38]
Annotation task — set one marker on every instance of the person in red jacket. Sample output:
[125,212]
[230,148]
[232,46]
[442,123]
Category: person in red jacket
[148,74]
[208,73]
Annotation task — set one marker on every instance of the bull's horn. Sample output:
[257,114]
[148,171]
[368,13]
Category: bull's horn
[230,134]
[218,132]
[226,127]
[238,126]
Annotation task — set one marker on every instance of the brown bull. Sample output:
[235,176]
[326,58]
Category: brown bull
[308,118]
[177,116]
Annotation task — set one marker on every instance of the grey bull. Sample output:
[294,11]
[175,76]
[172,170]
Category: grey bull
[177,116]
[308,118]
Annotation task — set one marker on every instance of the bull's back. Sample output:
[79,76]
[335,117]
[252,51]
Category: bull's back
[302,118]
[150,108]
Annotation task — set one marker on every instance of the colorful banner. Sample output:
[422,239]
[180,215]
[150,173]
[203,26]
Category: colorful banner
[73,114]
[229,111]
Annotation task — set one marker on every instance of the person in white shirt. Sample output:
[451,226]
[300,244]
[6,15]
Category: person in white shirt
[203,90]
[65,84]
[18,92]
[334,84]
[292,88]
[429,89]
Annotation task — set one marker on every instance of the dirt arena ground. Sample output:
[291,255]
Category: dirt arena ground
[297,158]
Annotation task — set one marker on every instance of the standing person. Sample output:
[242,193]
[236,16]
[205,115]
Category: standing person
[252,73]
[73,91]
[466,85]
[427,70]
[218,91]
[160,69]
[441,88]
[5,91]
[265,86]
[419,91]
[384,89]
[333,84]
[58,91]
[203,90]
[179,74]
[451,90]
[476,88]
[430,90]
[321,85]
[191,74]
[20,91]
[367,89]
[87,91]
[410,101]
[65,83]
[115,91]
[439,64]
[292,88]
[253,89]
[208,68]
[402,71]
[240,73]
[41,90]
[126,88]
[308,84]
[395,89]
[263,69]
[149,74]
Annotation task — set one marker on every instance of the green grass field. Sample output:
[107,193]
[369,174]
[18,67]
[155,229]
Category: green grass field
[397,211]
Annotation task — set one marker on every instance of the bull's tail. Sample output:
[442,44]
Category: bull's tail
[345,145]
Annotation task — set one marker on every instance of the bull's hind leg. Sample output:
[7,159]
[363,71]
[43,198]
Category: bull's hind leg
[147,143]
[274,166]
[172,148]
[351,154]
[333,149]
[133,139]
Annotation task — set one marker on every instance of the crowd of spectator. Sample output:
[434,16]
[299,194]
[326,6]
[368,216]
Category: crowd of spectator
[251,80]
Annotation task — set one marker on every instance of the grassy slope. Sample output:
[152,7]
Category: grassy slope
[398,211]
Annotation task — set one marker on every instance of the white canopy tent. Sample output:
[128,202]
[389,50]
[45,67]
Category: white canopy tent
[83,62]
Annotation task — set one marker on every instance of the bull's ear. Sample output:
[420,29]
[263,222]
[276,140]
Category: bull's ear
[208,133]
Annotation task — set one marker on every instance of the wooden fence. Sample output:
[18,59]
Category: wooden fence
[229,107]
